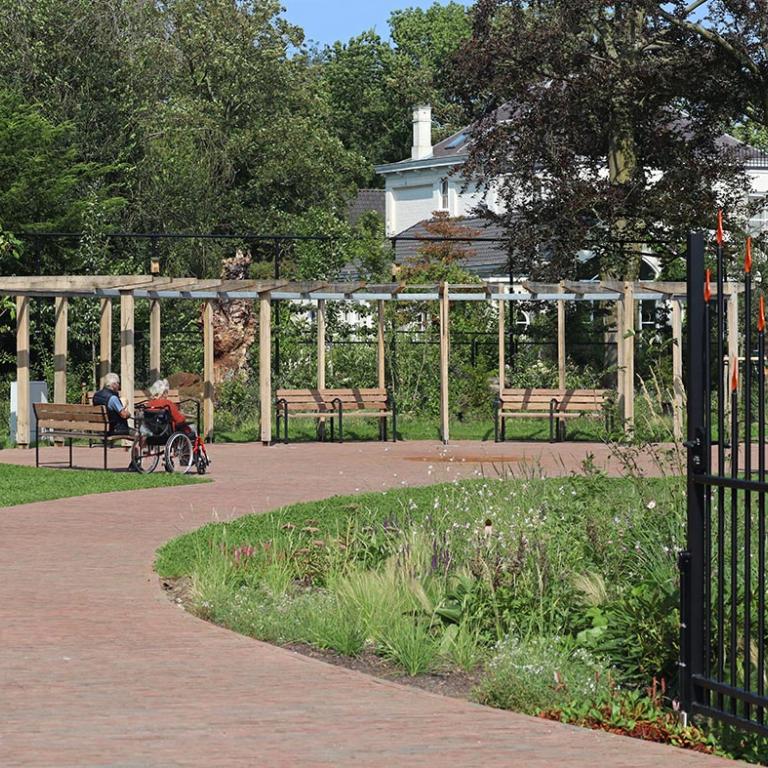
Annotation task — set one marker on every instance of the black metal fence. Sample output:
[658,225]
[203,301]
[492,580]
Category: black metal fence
[723,575]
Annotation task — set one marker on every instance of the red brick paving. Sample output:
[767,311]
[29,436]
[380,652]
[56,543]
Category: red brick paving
[98,668]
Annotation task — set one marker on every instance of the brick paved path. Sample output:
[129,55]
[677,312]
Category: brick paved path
[98,668]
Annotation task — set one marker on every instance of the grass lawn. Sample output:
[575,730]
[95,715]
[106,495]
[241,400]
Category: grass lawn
[22,485]
[428,428]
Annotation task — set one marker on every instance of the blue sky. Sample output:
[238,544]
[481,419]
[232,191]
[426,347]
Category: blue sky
[326,21]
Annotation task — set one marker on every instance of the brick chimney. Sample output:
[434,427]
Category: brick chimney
[422,132]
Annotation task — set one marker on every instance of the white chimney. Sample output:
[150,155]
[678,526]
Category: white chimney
[422,132]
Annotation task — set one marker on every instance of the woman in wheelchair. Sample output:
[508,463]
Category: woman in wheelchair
[159,400]
[164,430]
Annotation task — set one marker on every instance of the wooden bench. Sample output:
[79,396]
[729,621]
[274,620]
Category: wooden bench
[188,406]
[68,421]
[139,396]
[557,405]
[337,405]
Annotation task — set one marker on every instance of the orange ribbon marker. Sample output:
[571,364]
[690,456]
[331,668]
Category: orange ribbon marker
[719,233]
[735,375]
[748,256]
[761,315]
[707,288]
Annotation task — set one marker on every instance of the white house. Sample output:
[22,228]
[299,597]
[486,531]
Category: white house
[422,184]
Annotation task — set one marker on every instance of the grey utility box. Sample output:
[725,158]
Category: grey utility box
[38,393]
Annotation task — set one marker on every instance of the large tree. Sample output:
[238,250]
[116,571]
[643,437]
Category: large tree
[372,84]
[735,34]
[599,128]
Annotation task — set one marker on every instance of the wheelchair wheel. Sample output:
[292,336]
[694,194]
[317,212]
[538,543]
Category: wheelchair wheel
[201,460]
[144,457]
[178,453]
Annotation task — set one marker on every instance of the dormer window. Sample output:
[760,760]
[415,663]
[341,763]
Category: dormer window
[444,195]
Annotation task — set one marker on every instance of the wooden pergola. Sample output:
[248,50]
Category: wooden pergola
[127,289]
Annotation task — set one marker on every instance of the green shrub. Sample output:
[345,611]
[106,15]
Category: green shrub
[541,673]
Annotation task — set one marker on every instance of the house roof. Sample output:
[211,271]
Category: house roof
[366,200]
[487,249]
[454,150]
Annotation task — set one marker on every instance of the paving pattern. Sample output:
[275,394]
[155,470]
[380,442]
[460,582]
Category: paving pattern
[99,668]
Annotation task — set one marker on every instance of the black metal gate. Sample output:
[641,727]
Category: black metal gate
[723,569]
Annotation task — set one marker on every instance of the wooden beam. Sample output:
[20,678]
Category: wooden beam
[208,390]
[629,355]
[22,372]
[381,347]
[561,340]
[445,337]
[732,312]
[502,344]
[265,367]
[321,343]
[61,313]
[154,340]
[619,338]
[105,340]
[127,361]
[678,393]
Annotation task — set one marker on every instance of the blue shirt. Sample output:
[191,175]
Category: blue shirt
[114,404]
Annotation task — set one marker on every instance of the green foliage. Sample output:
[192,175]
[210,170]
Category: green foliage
[541,673]
[634,713]
[44,176]
[371,85]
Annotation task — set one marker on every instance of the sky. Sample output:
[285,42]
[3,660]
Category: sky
[325,21]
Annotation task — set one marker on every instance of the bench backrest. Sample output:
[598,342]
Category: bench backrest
[538,400]
[141,396]
[323,399]
[72,417]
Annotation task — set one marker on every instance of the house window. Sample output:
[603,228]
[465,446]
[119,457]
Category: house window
[444,195]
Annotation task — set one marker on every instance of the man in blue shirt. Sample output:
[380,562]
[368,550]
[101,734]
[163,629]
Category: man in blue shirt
[117,413]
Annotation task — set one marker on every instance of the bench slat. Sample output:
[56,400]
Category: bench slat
[72,426]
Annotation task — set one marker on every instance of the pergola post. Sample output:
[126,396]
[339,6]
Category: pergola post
[502,345]
[22,371]
[677,370]
[127,362]
[444,356]
[620,354]
[733,342]
[321,343]
[61,312]
[629,355]
[207,369]
[265,367]
[561,339]
[105,340]
[381,376]
[154,339]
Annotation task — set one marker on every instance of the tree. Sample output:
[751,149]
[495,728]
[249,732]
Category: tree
[372,85]
[597,127]
[44,182]
[735,34]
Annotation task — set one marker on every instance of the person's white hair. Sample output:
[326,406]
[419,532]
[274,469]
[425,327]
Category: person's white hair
[110,380]
[159,388]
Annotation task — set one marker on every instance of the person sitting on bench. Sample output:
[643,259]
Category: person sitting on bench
[159,391]
[117,413]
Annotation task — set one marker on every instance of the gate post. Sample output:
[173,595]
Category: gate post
[692,651]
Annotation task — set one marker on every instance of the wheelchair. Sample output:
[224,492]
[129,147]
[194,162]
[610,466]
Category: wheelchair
[156,438]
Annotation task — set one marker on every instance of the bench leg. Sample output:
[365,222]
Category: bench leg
[104,443]
[37,446]
[394,422]
[70,453]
